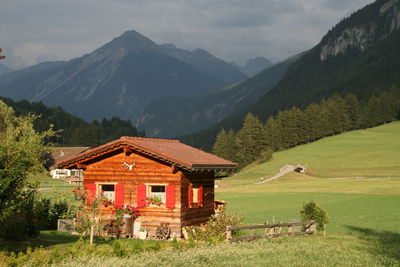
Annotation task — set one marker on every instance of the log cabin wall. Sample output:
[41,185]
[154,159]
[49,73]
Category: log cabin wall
[110,168]
[196,214]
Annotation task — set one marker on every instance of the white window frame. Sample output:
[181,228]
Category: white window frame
[99,190]
[149,193]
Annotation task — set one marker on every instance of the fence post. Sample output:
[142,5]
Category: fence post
[290,229]
[228,233]
[313,227]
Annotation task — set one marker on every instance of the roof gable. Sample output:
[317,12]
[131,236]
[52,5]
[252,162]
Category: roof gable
[169,151]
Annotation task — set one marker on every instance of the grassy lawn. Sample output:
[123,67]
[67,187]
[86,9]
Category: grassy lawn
[376,212]
[46,239]
[364,227]
[372,152]
[54,188]
[371,202]
[370,249]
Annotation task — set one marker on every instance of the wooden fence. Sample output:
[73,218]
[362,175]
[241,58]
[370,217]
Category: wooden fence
[271,230]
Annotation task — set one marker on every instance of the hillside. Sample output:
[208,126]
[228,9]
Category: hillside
[253,65]
[188,115]
[118,79]
[73,131]
[369,153]
[366,199]
[205,62]
[360,55]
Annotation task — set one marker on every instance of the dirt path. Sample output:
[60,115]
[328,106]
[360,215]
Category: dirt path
[285,170]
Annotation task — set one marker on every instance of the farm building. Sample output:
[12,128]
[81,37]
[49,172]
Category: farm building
[59,154]
[131,170]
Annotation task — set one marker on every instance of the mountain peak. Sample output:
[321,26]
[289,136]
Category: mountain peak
[362,29]
[132,40]
[253,65]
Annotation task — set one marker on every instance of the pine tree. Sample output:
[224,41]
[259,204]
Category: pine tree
[315,120]
[353,110]
[221,144]
[249,140]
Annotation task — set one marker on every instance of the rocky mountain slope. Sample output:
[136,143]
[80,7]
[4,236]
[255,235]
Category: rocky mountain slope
[205,62]
[118,79]
[360,55]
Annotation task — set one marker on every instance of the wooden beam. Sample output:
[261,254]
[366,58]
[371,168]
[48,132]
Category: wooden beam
[174,168]
[127,151]
[81,166]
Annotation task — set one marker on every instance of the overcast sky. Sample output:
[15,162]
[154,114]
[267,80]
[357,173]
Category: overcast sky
[32,31]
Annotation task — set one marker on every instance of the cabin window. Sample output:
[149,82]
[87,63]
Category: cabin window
[195,196]
[108,191]
[157,193]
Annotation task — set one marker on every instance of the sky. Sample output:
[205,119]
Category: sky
[33,31]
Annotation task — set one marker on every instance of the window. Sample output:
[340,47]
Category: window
[108,191]
[157,192]
[195,196]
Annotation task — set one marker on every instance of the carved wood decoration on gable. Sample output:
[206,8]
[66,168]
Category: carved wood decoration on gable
[129,166]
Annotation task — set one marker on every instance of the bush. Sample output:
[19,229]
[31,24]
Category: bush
[214,229]
[311,211]
[48,212]
[42,210]
[18,220]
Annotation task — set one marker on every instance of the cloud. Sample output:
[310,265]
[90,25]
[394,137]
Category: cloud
[230,29]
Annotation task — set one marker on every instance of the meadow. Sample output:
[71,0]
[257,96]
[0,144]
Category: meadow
[363,188]
[355,177]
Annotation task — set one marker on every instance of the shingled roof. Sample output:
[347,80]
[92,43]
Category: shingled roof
[166,150]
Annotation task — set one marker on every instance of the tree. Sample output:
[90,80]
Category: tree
[311,211]
[250,140]
[353,109]
[225,145]
[21,150]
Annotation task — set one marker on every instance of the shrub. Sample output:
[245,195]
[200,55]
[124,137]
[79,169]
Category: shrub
[215,227]
[60,209]
[48,212]
[311,211]
[18,220]
[41,211]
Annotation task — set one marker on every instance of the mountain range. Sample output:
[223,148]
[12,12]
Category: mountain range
[122,78]
[187,115]
[360,55]
[253,65]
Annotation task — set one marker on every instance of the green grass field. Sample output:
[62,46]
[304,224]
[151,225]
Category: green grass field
[363,229]
[54,188]
[372,152]
[372,202]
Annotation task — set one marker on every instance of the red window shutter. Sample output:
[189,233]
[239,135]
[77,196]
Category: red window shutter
[170,197]
[141,195]
[190,196]
[200,196]
[119,195]
[90,193]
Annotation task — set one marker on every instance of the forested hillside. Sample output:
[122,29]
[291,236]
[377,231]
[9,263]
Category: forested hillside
[360,55]
[74,131]
[256,140]
[188,115]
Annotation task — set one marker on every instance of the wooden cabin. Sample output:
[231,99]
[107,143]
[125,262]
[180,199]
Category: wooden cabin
[131,169]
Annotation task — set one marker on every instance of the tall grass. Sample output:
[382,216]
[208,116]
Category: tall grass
[288,251]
